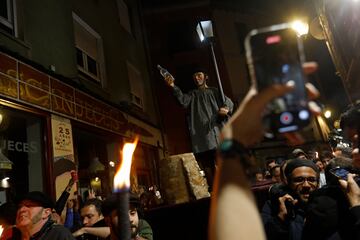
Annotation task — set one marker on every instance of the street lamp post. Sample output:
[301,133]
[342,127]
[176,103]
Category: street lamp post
[205,33]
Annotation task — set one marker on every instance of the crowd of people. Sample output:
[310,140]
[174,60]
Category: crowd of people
[297,208]
[36,216]
[307,197]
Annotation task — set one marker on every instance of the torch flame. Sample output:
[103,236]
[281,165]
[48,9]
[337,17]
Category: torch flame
[122,176]
[1,230]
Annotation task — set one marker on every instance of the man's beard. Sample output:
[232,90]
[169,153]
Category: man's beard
[35,219]
[134,231]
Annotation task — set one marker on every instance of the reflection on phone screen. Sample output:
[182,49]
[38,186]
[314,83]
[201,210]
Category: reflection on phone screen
[276,58]
[341,173]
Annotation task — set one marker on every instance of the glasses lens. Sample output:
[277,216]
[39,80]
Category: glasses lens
[303,179]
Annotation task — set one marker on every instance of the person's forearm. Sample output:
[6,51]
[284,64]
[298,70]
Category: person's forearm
[61,202]
[242,219]
[183,99]
[69,219]
[102,232]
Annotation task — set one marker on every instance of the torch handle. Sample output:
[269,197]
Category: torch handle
[124,231]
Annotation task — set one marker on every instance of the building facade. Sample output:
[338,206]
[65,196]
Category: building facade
[74,86]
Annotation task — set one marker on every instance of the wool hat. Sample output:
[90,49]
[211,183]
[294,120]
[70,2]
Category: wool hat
[297,162]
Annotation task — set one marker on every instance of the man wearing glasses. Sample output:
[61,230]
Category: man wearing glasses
[284,217]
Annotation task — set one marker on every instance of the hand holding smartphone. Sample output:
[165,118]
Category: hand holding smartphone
[342,173]
[275,56]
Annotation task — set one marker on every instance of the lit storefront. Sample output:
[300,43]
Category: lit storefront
[47,125]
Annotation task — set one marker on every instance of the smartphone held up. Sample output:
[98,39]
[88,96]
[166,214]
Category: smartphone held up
[275,56]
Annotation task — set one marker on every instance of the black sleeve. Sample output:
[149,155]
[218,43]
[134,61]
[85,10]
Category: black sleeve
[355,211]
[275,228]
[61,202]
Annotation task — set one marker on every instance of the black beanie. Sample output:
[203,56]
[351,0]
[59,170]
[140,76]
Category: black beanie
[296,162]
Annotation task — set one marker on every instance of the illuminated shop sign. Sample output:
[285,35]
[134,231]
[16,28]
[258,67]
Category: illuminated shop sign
[18,146]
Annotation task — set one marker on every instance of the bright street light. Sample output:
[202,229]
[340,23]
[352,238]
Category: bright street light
[327,114]
[205,30]
[301,28]
[206,34]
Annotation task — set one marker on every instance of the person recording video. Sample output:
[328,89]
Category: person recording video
[233,211]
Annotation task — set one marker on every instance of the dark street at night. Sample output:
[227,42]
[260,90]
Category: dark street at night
[181,119]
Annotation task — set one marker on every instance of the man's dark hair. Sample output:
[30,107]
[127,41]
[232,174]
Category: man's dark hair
[345,150]
[326,154]
[272,170]
[96,202]
[351,117]
[317,160]
[111,203]
[269,160]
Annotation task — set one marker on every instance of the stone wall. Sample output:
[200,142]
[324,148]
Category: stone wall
[181,179]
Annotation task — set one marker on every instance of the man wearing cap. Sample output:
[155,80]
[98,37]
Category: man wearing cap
[33,219]
[205,110]
[299,153]
[140,229]
[284,216]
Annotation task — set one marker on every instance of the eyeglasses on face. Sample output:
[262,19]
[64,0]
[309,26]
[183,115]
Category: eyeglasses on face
[300,180]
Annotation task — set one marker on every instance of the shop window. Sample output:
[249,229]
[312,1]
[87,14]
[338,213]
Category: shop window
[144,166]
[22,154]
[136,85]
[98,156]
[89,51]
[7,16]
[92,159]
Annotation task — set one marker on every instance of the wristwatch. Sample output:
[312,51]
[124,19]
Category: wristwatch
[230,148]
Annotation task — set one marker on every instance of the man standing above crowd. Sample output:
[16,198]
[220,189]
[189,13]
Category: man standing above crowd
[206,115]
[33,219]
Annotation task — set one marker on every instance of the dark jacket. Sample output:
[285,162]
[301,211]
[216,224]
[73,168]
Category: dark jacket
[87,236]
[329,215]
[50,231]
[203,122]
[277,229]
